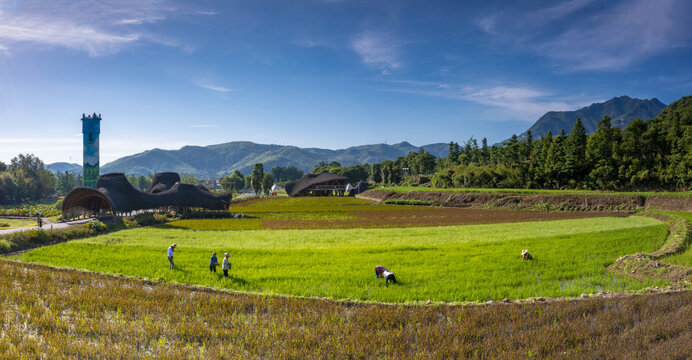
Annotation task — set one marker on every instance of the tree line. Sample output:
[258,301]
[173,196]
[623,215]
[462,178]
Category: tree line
[647,155]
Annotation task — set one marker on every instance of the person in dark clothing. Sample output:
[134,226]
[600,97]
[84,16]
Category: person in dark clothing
[385,273]
[213,262]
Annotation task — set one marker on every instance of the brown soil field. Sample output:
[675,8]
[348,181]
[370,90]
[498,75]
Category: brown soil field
[427,216]
[65,314]
[538,201]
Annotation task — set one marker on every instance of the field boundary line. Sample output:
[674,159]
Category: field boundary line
[648,266]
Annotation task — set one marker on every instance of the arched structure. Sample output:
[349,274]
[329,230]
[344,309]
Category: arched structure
[114,194]
[324,184]
[85,201]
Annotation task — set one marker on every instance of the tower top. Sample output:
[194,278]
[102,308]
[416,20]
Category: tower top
[91,117]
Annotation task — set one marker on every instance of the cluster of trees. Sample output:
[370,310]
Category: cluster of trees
[387,172]
[66,181]
[140,182]
[284,174]
[26,178]
[654,154]
[261,181]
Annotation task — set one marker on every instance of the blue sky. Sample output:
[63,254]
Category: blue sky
[321,73]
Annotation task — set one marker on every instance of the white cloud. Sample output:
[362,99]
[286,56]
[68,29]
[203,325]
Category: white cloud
[518,102]
[378,50]
[579,36]
[84,38]
[215,88]
[138,21]
[95,27]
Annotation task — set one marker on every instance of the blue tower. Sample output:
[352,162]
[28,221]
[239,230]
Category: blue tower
[91,128]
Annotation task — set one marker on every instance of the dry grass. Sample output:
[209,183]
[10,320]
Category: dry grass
[56,314]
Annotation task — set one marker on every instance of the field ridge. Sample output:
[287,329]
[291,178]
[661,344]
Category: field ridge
[529,200]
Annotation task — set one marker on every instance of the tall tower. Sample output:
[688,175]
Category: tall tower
[91,128]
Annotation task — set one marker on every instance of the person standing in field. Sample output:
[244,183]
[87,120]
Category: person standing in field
[213,262]
[385,273]
[226,265]
[170,255]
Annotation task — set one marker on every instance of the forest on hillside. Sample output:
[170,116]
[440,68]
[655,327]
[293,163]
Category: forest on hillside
[647,155]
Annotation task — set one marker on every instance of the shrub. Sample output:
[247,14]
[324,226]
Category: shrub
[4,224]
[147,219]
[96,225]
[21,240]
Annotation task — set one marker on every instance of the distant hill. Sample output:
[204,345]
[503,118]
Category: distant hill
[621,110]
[64,166]
[222,159]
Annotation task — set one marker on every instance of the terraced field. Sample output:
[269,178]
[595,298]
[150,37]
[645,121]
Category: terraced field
[443,255]
[453,263]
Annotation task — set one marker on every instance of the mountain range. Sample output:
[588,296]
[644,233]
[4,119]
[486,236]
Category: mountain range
[222,159]
[621,110]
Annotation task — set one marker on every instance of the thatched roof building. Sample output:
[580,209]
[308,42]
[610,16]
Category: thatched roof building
[114,194]
[324,184]
[163,181]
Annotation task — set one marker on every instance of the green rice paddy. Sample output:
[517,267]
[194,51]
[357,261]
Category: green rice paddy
[451,263]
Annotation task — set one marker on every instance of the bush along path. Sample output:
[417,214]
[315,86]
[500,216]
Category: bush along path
[651,266]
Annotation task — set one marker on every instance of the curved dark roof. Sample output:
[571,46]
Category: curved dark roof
[114,193]
[163,181]
[293,188]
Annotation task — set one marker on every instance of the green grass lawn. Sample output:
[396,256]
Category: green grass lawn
[403,189]
[16,223]
[452,263]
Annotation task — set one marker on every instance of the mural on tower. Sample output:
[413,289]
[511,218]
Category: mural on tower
[91,128]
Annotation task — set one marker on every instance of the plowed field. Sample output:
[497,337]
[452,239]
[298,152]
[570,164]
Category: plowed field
[426,216]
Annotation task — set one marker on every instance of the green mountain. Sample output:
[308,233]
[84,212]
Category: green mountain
[222,159]
[621,110]
[65,166]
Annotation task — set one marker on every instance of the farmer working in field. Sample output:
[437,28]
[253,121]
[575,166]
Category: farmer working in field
[385,273]
[213,262]
[226,265]
[170,255]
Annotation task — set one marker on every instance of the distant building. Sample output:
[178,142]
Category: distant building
[324,184]
[114,194]
[91,128]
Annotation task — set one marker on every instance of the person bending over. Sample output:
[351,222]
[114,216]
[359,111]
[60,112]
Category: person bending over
[381,271]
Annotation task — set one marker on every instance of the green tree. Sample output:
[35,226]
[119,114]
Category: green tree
[575,152]
[189,179]
[288,173]
[267,183]
[235,181]
[34,180]
[376,173]
[599,155]
[66,181]
[257,177]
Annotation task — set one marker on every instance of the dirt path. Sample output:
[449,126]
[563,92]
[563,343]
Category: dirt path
[47,225]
